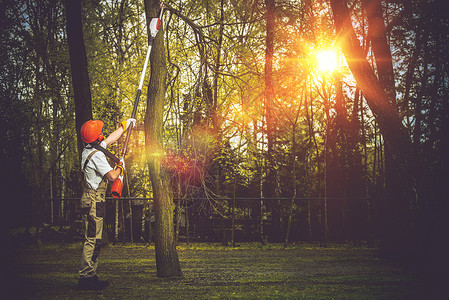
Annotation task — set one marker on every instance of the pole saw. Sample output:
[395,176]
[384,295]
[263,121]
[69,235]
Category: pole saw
[155,25]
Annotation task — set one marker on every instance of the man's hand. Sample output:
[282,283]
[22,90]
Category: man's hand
[127,123]
[113,137]
[121,166]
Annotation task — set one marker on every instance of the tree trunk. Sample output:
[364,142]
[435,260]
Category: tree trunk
[178,209]
[269,92]
[167,261]
[378,99]
[311,140]
[187,223]
[381,100]
[78,65]
[292,202]
[216,124]
[122,227]
[116,221]
[142,224]
[394,189]
[271,188]
[131,233]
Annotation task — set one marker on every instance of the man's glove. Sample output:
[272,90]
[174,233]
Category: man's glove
[121,166]
[127,123]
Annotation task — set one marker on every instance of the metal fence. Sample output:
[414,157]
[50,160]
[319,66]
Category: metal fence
[245,219]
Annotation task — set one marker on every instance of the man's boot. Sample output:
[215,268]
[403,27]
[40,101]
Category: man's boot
[91,283]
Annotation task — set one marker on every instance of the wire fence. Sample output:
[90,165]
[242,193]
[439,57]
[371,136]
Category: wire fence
[243,218]
[217,199]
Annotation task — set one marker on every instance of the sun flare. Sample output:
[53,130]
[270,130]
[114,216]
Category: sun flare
[327,60]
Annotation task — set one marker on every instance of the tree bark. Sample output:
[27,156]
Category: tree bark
[78,65]
[381,49]
[292,201]
[272,184]
[380,96]
[167,261]
[269,92]
[379,101]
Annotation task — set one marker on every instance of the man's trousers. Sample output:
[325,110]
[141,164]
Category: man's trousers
[93,208]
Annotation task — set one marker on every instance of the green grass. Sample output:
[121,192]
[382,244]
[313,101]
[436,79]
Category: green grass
[212,271]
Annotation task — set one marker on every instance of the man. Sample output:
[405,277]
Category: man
[96,171]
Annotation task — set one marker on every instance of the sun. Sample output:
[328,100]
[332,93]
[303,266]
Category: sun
[327,60]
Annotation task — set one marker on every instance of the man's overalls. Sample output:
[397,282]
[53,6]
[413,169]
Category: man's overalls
[93,209]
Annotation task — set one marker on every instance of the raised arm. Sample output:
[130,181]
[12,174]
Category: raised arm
[113,137]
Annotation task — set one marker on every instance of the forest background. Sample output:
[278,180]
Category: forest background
[248,113]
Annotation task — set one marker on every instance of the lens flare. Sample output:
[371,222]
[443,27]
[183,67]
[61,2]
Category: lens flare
[327,60]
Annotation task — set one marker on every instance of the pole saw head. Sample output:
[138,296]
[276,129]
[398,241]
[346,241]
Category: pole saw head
[156,23]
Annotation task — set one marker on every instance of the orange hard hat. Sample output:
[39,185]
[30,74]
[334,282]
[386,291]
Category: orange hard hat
[91,131]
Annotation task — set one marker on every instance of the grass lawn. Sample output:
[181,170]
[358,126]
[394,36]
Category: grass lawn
[303,271]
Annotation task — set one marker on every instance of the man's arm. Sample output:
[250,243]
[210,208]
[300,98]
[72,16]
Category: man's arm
[113,137]
[119,131]
[113,174]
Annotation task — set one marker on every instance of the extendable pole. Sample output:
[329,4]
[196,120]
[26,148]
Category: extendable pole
[155,24]
[136,101]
